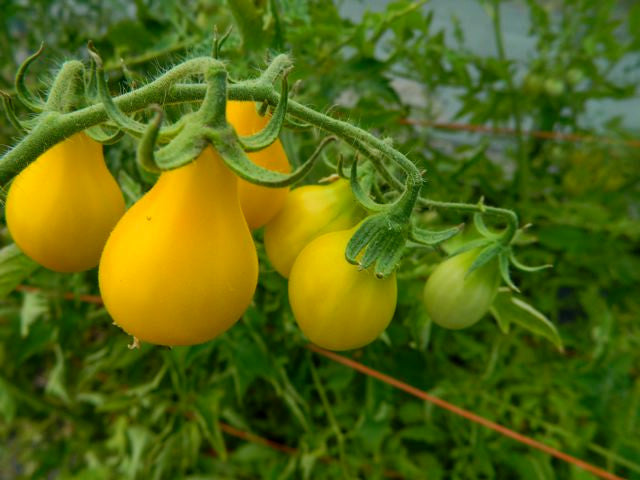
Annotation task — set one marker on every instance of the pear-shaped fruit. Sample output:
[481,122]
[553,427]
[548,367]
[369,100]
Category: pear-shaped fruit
[309,211]
[61,208]
[180,267]
[337,305]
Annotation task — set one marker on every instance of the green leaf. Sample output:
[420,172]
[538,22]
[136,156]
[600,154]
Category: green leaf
[485,256]
[501,320]
[271,132]
[56,384]
[481,227]
[15,266]
[477,243]
[33,307]
[432,237]
[527,268]
[207,407]
[509,309]
[138,439]
[503,260]
[7,402]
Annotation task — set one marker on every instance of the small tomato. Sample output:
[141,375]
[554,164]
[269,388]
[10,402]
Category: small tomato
[456,300]
[337,305]
[61,208]
[259,204]
[308,212]
[554,87]
[533,84]
[180,267]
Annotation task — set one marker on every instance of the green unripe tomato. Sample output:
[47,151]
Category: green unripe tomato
[456,300]
[554,87]
[533,84]
[574,76]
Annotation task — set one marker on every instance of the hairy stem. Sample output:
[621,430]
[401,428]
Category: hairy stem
[509,215]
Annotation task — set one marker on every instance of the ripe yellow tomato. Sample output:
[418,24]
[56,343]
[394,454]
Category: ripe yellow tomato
[456,300]
[61,208]
[180,267]
[337,305]
[308,212]
[259,204]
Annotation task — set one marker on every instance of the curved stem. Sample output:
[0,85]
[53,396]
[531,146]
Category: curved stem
[11,112]
[166,90]
[509,215]
[54,127]
[147,142]
[24,95]
[379,165]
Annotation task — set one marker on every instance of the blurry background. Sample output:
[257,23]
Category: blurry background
[75,403]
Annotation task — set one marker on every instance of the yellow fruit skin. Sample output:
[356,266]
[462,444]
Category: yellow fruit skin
[61,208]
[180,267]
[308,212]
[337,305]
[259,204]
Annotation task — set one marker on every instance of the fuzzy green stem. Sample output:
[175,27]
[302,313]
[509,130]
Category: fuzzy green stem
[213,109]
[166,91]
[53,127]
[509,215]
[67,91]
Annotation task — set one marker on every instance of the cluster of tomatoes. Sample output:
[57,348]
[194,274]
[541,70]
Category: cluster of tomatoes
[180,266]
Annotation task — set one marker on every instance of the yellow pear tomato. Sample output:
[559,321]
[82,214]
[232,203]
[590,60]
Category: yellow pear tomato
[180,267]
[308,212]
[454,299]
[259,204]
[337,305]
[61,208]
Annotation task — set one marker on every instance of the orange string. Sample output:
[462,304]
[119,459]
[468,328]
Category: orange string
[253,438]
[568,137]
[95,299]
[461,412]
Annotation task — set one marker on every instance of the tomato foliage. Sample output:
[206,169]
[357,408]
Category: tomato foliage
[76,403]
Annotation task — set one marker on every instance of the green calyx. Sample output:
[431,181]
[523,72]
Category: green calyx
[23,93]
[270,133]
[380,239]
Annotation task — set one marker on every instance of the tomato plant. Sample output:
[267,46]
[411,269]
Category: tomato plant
[180,266]
[61,208]
[385,80]
[308,212]
[456,298]
[337,305]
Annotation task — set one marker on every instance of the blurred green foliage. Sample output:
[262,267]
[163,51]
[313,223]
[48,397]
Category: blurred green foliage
[76,403]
